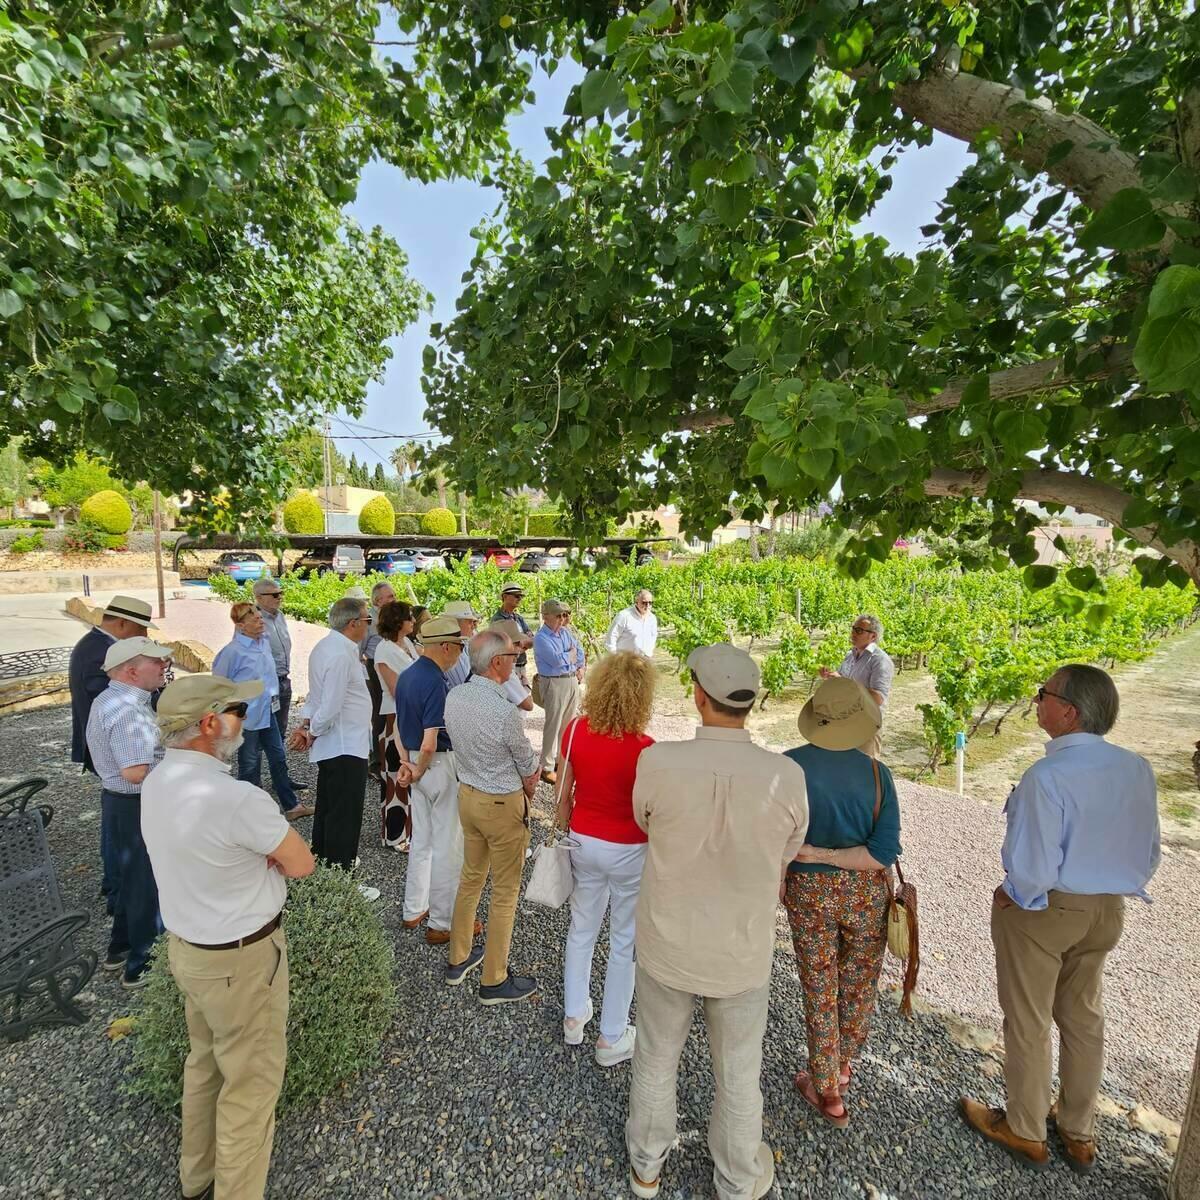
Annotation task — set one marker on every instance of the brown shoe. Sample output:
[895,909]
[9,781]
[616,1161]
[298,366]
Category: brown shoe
[439,937]
[300,812]
[549,777]
[993,1124]
[1080,1155]
[416,920]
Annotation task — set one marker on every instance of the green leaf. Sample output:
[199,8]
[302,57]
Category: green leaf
[34,74]
[10,303]
[1020,430]
[98,320]
[618,31]
[1037,28]
[732,204]
[656,353]
[780,472]
[1084,579]
[736,93]
[978,391]
[741,358]
[577,436]
[1127,222]
[622,349]
[1097,615]
[815,463]
[762,406]
[1140,511]
[1175,290]
[600,91]
[17,189]
[1167,354]
[740,169]
[792,63]
[1039,577]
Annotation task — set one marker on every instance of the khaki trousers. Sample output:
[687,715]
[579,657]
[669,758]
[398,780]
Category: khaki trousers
[236,1004]
[742,1163]
[495,836]
[1050,967]
[560,699]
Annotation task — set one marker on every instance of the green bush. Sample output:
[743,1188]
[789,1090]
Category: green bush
[440,522]
[343,997]
[377,517]
[108,511]
[302,514]
[407,523]
[85,538]
[544,524]
[23,545]
[25,523]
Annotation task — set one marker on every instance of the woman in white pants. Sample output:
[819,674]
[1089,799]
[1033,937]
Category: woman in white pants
[599,757]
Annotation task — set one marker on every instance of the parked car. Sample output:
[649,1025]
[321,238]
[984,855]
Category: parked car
[241,566]
[580,558]
[493,554]
[391,562]
[541,560]
[423,558]
[315,562]
[340,560]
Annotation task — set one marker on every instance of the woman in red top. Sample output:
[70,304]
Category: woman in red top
[599,757]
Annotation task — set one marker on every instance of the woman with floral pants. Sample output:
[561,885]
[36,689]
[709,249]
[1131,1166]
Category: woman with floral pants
[836,889]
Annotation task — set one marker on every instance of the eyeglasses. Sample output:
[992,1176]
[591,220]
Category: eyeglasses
[860,629]
[1042,693]
[236,710]
[276,594]
[508,654]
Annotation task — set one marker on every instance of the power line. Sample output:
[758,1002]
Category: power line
[383,437]
[356,438]
[348,424]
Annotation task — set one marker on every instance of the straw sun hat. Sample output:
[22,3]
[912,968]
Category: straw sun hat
[840,716]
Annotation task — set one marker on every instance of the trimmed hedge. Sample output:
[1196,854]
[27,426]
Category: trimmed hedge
[439,522]
[407,523]
[377,517]
[108,511]
[303,515]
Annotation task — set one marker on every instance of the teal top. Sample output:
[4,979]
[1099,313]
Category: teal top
[841,802]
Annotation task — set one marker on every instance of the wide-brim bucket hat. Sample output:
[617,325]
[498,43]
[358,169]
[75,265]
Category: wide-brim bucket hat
[841,715]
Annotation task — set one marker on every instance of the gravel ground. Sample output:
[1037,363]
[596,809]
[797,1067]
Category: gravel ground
[481,1102]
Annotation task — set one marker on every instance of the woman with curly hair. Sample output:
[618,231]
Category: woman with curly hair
[599,755]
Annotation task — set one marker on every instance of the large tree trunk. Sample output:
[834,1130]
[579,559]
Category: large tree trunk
[1185,1177]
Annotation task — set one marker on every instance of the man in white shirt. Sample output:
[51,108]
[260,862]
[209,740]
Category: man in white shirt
[221,850]
[336,732]
[635,628]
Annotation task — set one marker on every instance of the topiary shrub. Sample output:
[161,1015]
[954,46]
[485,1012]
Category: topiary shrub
[108,511]
[342,1000]
[303,514]
[407,523]
[439,522]
[377,517]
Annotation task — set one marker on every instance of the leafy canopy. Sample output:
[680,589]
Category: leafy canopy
[685,304]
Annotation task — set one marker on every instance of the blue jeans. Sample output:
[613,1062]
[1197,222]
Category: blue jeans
[256,742]
[135,897]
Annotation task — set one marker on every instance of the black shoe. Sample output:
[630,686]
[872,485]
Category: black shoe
[515,987]
[207,1194]
[132,983]
[114,962]
[457,972]
[298,787]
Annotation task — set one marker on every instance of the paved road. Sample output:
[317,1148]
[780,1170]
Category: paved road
[39,621]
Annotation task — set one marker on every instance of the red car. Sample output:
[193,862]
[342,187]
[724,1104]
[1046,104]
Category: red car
[493,554]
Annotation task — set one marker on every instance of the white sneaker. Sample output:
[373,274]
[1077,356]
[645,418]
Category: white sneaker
[621,1051]
[369,894]
[573,1027]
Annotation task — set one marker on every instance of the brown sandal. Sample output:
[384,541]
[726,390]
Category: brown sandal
[823,1104]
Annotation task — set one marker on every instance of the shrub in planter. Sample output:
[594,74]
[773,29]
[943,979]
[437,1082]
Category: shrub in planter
[302,514]
[85,539]
[439,522]
[23,545]
[342,997]
[109,511]
[377,517]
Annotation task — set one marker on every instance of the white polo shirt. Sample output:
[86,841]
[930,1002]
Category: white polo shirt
[208,836]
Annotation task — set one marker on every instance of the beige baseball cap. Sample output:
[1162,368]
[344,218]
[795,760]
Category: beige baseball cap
[510,629]
[440,629]
[130,608]
[186,700]
[135,647]
[461,610]
[554,608]
[726,673]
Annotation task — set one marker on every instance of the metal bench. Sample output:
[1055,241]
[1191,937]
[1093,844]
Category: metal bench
[41,968]
[14,799]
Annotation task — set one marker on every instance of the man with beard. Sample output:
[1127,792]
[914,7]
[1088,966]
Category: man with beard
[222,850]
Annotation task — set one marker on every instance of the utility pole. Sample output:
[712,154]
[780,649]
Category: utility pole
[327,473]
[158,567]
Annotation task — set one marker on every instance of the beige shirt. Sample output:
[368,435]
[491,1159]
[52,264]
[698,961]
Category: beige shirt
[723,815]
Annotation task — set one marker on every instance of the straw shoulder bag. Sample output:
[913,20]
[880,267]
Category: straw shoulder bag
[903,941]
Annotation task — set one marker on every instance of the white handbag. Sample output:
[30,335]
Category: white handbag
[551,880]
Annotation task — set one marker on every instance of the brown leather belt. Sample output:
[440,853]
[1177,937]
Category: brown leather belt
[249,940]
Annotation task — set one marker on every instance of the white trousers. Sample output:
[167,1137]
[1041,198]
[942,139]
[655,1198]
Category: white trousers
[435,853]
[605,872]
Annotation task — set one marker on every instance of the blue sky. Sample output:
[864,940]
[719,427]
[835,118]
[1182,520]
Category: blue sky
[433,223]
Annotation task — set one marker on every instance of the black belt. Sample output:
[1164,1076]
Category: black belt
[568,675]
[249,940]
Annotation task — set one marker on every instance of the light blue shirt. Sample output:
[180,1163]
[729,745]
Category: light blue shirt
[1085,820]
[121,733]
[460,672]
[246,658]
[554,653]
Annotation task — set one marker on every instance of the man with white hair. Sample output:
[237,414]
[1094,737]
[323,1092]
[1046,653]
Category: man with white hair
[222,850]
[635,628]
[468,621]
[869,664]
[122,740]
[336,732]
[497,775]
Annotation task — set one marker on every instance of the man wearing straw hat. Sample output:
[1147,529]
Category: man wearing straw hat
[468,621]
[722,817]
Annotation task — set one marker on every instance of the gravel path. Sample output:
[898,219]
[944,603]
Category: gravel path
[474,1102]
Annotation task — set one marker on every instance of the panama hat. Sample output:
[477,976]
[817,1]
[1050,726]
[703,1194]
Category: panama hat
[440,629]
[842,715]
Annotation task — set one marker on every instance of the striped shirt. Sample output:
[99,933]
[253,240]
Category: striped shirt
[492,753]
[121,733]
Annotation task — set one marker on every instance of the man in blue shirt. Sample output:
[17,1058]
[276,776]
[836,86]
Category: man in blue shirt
[1082,835]
[558,657]
[427,768]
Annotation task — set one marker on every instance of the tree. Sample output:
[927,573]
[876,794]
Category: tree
[70,485]
[353,472]
[378,479]
[177,268]
[685,305]
[304,451]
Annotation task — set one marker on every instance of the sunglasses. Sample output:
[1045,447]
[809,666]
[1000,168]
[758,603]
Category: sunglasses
[270,593]
[236,710]
[860,629]
[1042,693]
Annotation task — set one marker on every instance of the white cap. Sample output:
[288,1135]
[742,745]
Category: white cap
[727,674]
[134,647]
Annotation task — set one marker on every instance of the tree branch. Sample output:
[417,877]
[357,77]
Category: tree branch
[114,50]
[1079,492]
[1023,380]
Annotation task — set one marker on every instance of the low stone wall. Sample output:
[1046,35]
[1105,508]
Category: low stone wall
[128,578]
